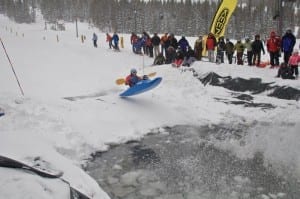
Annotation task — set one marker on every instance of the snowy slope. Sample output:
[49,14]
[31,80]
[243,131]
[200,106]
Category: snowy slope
[65,132]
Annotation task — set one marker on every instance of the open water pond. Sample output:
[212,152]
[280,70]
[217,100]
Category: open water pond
[181,163]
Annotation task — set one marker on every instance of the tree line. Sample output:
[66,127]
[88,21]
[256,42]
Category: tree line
[183,17]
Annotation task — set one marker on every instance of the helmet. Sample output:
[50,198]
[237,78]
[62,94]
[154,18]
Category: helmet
[133,70]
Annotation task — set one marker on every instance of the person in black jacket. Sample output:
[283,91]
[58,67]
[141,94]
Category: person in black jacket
[155,43]
[229,50]
[173,41]
[170,55]
[285,71]
[257,48]
[220,50]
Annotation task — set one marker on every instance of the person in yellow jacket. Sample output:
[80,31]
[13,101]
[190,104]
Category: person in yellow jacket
[239,47]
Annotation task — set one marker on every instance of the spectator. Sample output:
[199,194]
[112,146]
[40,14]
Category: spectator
[229,50]
[155,42]
[273,47]
[170,55]
[257,48]
[294,60]
[115,39]
[159,59]
[211,43]
[189,57]
[173,41]
[133,40]
[109,40]
[95,38]
[179,58]
[137,46]
[285,72]
[184,44]
[220,50]
[239,48]
[287,45]
[198,48]
[248,46]
[164,43]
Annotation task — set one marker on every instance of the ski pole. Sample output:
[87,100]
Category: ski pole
[12,67]
[143,64]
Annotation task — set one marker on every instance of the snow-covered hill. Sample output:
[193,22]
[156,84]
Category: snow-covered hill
[45,124]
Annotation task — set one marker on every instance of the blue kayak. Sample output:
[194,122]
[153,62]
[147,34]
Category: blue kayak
[141,87]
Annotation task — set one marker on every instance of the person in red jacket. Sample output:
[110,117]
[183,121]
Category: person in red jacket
[109,40]
[133,78]
[211,43]
[273,47]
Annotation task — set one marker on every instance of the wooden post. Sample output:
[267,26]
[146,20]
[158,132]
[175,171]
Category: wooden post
[122,42]
[57,38]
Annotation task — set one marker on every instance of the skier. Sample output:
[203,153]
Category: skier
[95,38]
[109,40]
[115,39]
[133,40]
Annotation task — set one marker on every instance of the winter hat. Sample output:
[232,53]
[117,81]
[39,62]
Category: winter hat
[272,34]
[295,52]
[133,70]
[289,31]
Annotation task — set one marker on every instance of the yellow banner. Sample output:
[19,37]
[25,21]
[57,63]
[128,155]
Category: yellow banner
[222,16]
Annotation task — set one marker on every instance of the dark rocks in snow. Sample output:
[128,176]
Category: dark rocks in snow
[253,85]
[288,93]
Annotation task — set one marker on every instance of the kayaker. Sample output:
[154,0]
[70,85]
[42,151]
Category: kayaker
[133,78]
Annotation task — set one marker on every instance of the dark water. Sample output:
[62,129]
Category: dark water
[181,163]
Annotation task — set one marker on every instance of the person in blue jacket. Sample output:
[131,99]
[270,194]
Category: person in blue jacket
[288,42]
[184,44]
[115,39]
[95,38]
